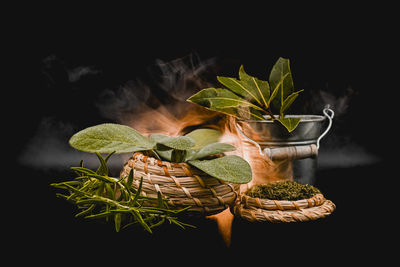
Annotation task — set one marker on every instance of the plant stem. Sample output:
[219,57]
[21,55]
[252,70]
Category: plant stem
[269,112]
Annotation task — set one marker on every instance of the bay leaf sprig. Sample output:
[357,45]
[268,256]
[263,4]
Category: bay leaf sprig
[100,196]
[200,148]
[250,98]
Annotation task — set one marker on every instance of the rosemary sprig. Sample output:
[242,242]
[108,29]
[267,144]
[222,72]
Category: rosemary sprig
[98,195]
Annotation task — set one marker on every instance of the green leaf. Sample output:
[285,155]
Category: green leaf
[241,88]
[212,149]
[225,101]
[204,137]
[276,90]
[259,87]
[289,123]
[230,168]
[117,221]
[103,169]
[138,192]
[110,137]
[288,101]
[280,69]
[178,142]
[165,154]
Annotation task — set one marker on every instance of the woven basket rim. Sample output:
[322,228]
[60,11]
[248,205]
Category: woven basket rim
[285,216]
[271,204]
[183,185]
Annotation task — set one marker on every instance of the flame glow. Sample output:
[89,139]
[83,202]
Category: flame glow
[163,120]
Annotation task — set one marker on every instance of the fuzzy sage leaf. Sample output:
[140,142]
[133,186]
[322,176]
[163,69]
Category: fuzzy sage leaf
[229,168]
[109,137]
[212,149]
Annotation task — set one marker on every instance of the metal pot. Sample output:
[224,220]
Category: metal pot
[299,146]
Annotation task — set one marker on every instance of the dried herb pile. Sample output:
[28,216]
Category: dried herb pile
[283,190]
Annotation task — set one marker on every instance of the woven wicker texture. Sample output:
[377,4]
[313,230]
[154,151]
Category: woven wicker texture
[256,209]
[182,185]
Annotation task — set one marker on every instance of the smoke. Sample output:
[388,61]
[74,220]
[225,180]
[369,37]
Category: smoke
[344,156]
[168,87]
[49,150]
[147,106]
[159,104]
[77,73]
[337,149]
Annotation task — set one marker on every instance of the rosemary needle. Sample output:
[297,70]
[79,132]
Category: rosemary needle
[98,195]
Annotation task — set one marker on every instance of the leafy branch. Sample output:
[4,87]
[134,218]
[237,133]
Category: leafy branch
[198,148]
[251,98]
[100,196]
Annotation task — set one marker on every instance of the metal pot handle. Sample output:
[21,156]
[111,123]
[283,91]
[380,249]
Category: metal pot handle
[250,140]
[329,113]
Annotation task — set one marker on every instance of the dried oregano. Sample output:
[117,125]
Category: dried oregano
[283,190]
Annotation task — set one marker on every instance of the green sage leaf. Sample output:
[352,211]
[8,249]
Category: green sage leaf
[110,137]
[203,137]
[178,142]
[225,101]
[212,149]
[229,168]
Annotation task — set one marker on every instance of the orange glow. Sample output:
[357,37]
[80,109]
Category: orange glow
[181,119]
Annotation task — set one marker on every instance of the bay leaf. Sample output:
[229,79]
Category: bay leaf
[225,101]
[212,149]
[229,168]
[288,101]
[110,137]
[279,70]
[241,88]
[289,123]
[259,87]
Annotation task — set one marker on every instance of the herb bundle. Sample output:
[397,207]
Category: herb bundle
[199,148]
[251,98]
[100,196]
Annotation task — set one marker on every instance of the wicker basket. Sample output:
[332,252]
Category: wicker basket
[256,209]
[182,185]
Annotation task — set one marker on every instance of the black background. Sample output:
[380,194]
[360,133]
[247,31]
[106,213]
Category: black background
[331,48]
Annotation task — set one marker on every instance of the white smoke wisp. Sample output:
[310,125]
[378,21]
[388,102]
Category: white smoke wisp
[49,150]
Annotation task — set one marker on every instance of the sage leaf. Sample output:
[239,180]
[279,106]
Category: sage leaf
[280,69]
[225,101]
[289,123]
[229,168]
[178,142]
[212,149]
[110,137]
[178,155]
[165,154]
[204,137]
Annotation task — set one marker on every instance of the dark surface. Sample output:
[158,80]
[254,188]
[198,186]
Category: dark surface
[326,53]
